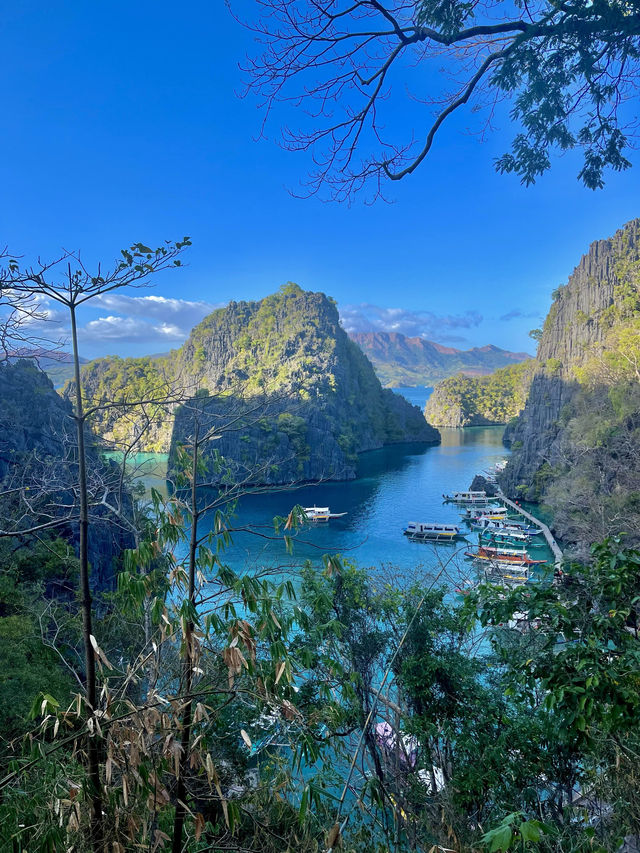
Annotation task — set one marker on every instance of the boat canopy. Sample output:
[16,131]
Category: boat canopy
[417,527]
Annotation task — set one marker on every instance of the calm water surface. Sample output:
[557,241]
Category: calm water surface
[395,485]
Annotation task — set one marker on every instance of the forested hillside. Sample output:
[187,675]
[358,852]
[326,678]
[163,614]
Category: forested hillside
[576,445]
[400,360]
[294,398]
[462,401]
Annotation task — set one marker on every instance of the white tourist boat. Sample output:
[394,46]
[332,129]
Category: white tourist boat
[433,532]
[321,513]
[497,513]
[508,574]
[507,526]
[467,498]
[504,536]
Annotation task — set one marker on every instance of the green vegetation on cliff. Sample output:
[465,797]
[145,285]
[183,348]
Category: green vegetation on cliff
[577,442]
[303,398]
[113,384]
[461,401]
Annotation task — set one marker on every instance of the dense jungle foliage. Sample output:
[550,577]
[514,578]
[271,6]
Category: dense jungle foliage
[519,713]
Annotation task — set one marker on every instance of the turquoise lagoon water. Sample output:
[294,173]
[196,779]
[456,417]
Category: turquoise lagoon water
[395,485]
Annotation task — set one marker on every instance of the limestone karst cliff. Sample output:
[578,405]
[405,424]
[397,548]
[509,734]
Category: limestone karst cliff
[38,468]
[303,398]
[576,444]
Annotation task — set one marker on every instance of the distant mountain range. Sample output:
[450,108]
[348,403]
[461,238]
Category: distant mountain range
[399,360]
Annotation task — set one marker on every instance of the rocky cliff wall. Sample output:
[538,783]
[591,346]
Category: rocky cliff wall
[38,457]
[308,398]
[551,440]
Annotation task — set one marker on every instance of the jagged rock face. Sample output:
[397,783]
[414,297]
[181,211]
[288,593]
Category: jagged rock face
[38,451]
[401,360]
[481,484]
[307,398]
[572,328]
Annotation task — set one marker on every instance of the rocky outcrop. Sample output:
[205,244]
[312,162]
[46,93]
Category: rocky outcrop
[38,458]
[572,327]
[292,397]
[463,401]
[400,360]
[133,399]
[551,441]
[481,484]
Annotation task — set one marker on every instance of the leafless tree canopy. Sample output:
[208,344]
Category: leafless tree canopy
[567,66]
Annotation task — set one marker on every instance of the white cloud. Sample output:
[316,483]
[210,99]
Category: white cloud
[137,319]
[425,324]
[128,319]
[182,312]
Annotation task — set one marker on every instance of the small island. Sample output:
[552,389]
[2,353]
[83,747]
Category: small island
[463,401]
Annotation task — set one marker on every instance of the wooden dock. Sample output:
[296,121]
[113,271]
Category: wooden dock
[551,542]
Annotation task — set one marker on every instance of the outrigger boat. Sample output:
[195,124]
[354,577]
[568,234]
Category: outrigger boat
[505,536]
[504,556]
[466,498]
[321,513]
[504,525]
[481,511]
[498,514]
[507,573]
[433,532]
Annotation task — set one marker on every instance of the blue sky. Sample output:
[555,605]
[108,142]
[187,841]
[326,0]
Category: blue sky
[122,123]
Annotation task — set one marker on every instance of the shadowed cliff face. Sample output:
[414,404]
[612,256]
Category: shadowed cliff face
[299,399]
[38,455]
[601,294]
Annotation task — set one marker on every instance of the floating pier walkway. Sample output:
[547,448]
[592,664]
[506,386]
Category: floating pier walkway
[551,542]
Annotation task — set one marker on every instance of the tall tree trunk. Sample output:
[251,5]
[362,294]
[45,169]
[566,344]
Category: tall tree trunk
[93,757]
[188,663]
